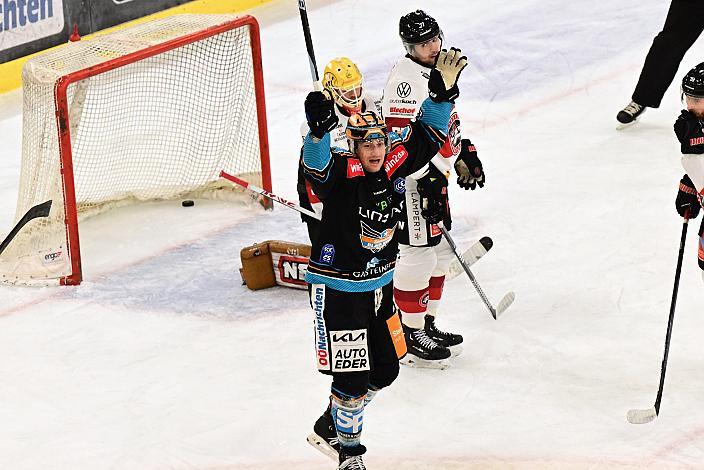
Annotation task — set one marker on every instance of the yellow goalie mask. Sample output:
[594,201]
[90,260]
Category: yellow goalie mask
[343,80]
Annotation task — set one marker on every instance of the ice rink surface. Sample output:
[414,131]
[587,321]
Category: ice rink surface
[162,360]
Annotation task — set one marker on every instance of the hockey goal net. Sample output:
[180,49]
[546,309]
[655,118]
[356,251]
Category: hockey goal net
[150,112]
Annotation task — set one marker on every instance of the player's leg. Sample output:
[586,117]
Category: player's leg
[342,350]
[387,343]
[452,341]
[683,25]
[414,268]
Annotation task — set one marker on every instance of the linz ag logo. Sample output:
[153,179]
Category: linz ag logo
[403,89]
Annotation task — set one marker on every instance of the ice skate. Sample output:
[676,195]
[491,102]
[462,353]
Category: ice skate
[423,351]
[324,437]
[451,341]
[351,458]
[629,115]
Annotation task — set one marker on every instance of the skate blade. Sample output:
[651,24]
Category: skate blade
[412,361]
[622,126]
[455,350]
[321,446]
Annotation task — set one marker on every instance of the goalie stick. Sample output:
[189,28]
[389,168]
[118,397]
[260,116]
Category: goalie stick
[267,194]
[505,301]
[40,210]
[647,415]
[309,44]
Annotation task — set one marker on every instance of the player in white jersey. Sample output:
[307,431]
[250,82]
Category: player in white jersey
[424,255]
[689,129]
[345,84]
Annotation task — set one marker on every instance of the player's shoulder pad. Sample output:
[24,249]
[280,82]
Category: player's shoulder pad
[398,137]
[372,102]
[304,130]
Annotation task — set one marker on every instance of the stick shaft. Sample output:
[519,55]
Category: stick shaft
[476,285]
[40,210]
[309,43]
[670,319]
[267,194]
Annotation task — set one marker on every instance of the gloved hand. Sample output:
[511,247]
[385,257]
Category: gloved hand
[687,200]
[442,85]
[468,167]
[688,129]
[320,113]
[432,189]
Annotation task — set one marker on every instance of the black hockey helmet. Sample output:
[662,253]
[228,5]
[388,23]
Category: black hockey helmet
[417,27]
[693,82]
[365,126]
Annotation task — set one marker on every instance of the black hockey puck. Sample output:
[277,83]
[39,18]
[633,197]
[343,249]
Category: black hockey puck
[187,203]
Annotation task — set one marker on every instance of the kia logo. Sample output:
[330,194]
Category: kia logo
[403,89]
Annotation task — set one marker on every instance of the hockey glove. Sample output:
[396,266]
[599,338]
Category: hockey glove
[442,85]
[320,113]
[468,167]
[688,129]
[432,189]
[687,200]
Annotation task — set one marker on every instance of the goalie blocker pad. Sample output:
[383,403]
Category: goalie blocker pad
[275,262]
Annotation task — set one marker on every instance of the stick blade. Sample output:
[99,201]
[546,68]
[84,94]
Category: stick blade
[505,303]
[641,416]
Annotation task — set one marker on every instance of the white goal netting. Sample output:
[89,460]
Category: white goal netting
[151,112]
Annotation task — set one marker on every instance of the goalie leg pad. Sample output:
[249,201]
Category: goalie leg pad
[275,262]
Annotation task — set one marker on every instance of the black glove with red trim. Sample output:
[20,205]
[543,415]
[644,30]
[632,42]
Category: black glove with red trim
[687,200]
[432,189]
[468,167]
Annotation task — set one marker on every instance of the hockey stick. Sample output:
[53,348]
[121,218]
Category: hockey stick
[646,416]
[272,196]
[471,255]
[505,301]
[309,45]
[40,210]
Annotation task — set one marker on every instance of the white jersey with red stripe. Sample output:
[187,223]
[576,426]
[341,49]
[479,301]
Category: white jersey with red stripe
[405,90]
[693,165]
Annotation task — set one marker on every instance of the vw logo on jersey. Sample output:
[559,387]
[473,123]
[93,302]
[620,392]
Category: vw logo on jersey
[403,89]
[400,185]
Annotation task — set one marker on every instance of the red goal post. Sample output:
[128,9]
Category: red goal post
[151,112]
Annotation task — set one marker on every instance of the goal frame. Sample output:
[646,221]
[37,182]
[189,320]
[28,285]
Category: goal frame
[64,126]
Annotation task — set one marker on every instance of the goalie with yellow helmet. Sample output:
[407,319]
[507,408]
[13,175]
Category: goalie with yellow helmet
[358,337]
[342,81]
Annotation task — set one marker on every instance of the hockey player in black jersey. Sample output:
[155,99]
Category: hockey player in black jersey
[358,338]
